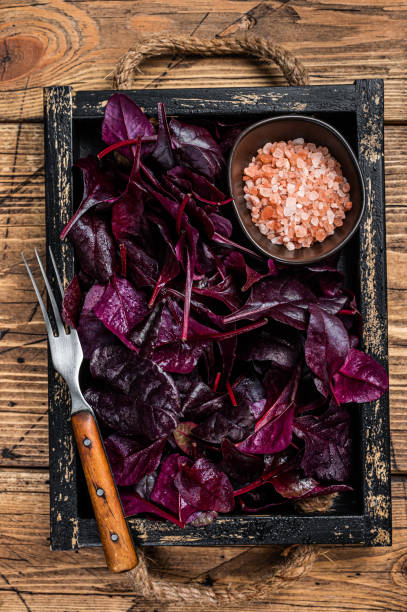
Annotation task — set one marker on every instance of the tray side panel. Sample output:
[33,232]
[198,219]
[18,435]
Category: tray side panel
[241,531]
[373,304]
[63,469]
[203,101]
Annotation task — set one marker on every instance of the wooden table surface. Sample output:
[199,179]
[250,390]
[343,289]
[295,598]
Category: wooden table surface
[77,42]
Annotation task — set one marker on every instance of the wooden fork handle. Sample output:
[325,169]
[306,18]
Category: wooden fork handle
[114,532]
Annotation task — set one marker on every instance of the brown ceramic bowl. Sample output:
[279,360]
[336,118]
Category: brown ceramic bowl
[289,127]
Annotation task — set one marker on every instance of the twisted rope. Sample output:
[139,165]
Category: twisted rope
[261,48]
[294,563]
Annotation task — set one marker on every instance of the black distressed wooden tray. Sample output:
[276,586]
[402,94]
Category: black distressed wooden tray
[72,129]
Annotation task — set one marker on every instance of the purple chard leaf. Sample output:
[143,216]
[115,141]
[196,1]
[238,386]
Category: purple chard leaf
[71,303]
[94,247]
[284,299]
[121,307]
[240,466]
[196,149]
[360,379]
[273,431]
[327,444]
[130,460]
[99,190]
[327,345]
[205,487]
[124,120]
[144,400]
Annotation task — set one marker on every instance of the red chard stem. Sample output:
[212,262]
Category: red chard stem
[181,212]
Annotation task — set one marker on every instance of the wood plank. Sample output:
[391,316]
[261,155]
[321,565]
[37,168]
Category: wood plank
[397,303]
[71,581]
[395,160]
[79,43]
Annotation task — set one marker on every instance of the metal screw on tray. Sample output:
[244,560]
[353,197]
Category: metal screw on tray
[67,357]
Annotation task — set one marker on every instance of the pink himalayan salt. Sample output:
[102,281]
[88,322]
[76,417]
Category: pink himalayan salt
[296,193]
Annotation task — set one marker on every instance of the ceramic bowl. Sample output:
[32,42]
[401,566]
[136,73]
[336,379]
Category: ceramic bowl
[289,127]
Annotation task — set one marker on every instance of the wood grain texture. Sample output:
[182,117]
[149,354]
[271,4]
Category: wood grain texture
[62,452]
[366,579]
[114,533]
[373,304]
[79,43]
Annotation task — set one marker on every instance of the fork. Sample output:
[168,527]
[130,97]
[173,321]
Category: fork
[67,357]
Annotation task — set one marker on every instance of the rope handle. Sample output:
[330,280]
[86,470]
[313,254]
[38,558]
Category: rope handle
[261,48]
[295,561]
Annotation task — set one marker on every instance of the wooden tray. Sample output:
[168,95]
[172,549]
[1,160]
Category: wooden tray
[72,130]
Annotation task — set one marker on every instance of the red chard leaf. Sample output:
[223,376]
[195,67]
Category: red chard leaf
[71,303]
[201,401]
[205,487]
[225,291]
[94,247]
[221,225]
[93,334]
[227,350]
[196,149]
[124,120]
[236,263]
[360,379]
[230,421]
[130,460]
[180,356]
[134,504]
[191,182]
[165,492]
[198,519]
[284,299]
[327,344]
[99,190]
[327,440]
[280,350]
[127,213]
[142,269]
[121,307]
[163,153]
[145,401]
[182,437]
[240,466]
[273,431]
[291,485]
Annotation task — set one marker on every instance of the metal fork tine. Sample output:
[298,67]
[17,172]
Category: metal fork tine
[39,298]
[54,305]
[61,288]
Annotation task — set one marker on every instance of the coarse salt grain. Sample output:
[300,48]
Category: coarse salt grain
[296,193]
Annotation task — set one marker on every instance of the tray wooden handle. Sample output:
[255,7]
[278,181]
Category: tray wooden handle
[114,532]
